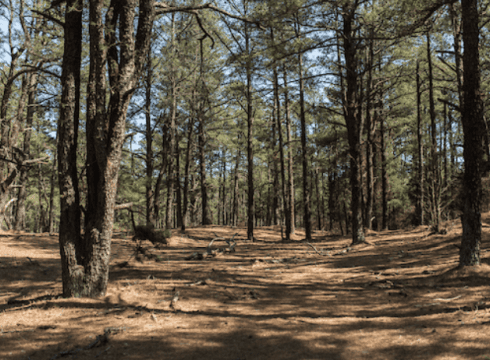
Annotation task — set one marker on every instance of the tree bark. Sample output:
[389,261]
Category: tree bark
[69,234]
[435,181]
[290,153]
[250,134]
[353,127]
[186,171]
[202,165]
[150,198]
[420,151]
[371,128]
[85,265]
[472,120]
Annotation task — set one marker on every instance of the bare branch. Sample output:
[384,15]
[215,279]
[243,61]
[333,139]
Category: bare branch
[164,9]
[49,17]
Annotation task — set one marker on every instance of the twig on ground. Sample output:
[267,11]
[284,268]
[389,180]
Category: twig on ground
[449,299]
[314,248]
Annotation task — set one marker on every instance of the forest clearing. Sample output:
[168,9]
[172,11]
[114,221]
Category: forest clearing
[244,179]
[396,297]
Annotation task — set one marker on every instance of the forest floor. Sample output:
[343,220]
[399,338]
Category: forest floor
[398,297]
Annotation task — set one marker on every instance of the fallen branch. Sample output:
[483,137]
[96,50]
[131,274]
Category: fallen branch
[319,253]
[450,299]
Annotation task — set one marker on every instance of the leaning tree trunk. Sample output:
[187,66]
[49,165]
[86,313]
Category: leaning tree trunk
[472,119]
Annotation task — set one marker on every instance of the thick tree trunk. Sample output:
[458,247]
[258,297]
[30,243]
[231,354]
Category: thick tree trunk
[69,233]
[22,194]
[353,127]
[472,119]
[85,265]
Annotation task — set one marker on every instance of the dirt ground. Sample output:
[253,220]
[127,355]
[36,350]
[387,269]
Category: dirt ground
[399,297]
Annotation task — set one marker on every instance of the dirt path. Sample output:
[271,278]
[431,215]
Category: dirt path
[397,298]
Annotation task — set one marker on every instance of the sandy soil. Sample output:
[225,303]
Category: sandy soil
[400,297]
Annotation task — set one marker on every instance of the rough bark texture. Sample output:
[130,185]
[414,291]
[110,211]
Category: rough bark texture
[353,126]
[85,264]
[22,194]
[472,119]
[69,233]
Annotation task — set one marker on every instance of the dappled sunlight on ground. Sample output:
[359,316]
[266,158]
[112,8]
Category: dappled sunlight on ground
[397,297]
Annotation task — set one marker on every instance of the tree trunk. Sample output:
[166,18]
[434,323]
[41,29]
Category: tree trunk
[186,171]
[420,152]
[52,184]
[290,153]
[472,120]
[287,213]
[178,187]
[304,153]
[275,183]
[69,234]
[202,165]
[250,134]
[353,128]
[235,187]
[85,265]
[150,198]
[384,177]
[435,183]
[22,194]
[371,127]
